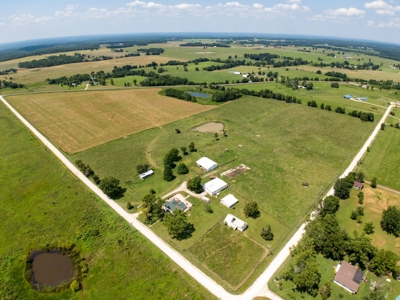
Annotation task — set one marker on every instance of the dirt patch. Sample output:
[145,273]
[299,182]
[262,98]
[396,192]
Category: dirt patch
[235,171]
[213,127]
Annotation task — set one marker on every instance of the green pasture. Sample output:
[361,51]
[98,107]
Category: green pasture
[323,93]
[44,204]
[283,144]
[228,253]
[383,159]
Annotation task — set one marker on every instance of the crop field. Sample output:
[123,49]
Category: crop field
[43,203]
[375,201]
[383,159]
[78,121]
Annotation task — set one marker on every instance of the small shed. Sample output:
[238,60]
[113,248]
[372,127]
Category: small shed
[347,97]
[358,185]
[206,164]
[235,223]
[215,186]
[146,174]
[349,277]
[229,201]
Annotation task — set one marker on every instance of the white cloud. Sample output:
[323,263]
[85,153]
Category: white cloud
[22,19]
[294,1]
[382,8]
[339,14]
[393,23]
[2,24]
[370,23]
[43,19]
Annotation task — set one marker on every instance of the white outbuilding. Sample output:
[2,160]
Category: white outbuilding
[206,164]
[229,201]
[215,186]
[235,223]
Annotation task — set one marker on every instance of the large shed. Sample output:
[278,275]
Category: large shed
[215,186]
[349,277]
[235,223]
[229,201]
[206,164]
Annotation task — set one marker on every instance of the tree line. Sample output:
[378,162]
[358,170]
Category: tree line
[8,71]
[170,92]
[10,84]
[62,59]
[151,51]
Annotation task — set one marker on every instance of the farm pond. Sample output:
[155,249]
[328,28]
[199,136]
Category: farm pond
[50,268]
[201,95]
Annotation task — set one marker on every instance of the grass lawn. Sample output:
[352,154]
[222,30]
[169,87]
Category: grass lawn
[375,201]
[383,159]
[327,268]
[78,121]
[41,203]
[229,254]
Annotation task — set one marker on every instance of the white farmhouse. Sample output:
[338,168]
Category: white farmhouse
[235,223]
[206,164]
[215,186]
[229,201]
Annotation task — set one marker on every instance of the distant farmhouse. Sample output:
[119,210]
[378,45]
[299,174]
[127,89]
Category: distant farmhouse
[229,201]
[176,202]
[358,185]
[206,164]
[349,277]
[215,186]
[235,223]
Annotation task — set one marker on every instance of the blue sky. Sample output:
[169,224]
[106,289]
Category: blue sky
[374,20]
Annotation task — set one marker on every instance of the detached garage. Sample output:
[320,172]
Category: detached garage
[206,164]
[215,186]
[229,201]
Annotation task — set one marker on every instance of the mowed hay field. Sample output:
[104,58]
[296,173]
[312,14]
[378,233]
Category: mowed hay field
[78,121]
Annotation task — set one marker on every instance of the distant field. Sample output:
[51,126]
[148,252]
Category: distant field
[78,121]
[383,159]
[43,203]
[41,74]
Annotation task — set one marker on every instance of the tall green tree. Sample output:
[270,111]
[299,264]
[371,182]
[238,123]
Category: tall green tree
[251,209]
[168,175]
[390,221]
[182,169]
[360,250]
[383,263]
[110,186]
[177,225]
[342,188]
[330,206]
[194,185]
[267,234]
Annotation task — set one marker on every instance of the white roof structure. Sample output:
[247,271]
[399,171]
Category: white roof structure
[206,164]
[215,186]
[146,174]
[235,223]
[229,201]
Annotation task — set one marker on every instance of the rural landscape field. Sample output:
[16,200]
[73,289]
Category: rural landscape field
[131,122]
